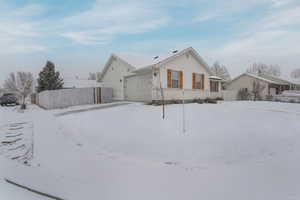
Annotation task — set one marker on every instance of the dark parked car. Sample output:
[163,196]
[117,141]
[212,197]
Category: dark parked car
[8,99]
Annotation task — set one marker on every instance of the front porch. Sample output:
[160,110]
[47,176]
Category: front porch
[186,94]
[275,89]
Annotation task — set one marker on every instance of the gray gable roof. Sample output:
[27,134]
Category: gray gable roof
[265,78]
[140,64]
[275,79]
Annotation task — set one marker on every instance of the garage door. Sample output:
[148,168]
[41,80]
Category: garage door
[138,88]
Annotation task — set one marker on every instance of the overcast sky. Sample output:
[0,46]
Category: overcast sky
[78,36]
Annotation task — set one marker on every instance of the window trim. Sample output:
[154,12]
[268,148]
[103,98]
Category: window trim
[198,85]
[170,79]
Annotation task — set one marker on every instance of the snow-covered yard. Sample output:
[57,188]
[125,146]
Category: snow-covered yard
[234,150]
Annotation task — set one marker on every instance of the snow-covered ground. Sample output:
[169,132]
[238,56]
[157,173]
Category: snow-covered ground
[234,150]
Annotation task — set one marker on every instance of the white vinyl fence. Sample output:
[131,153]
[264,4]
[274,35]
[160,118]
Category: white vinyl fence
[291,96]
[52,99]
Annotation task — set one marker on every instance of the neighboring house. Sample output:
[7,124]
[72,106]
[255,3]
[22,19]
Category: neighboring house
[272,85]
[146,79]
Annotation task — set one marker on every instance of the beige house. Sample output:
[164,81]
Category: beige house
[272,85]
[177,75]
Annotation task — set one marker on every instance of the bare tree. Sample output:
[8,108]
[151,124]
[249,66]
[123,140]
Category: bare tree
[220,71]
[260,68]
[295,74]
[257,90]
[21,84]
[98,74]
[92,76]
[243,94]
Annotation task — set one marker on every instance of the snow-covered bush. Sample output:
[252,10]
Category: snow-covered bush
[243,95]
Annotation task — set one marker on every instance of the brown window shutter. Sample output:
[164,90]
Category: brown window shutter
[203,81]
[169,78]
[194,81]
[181,79]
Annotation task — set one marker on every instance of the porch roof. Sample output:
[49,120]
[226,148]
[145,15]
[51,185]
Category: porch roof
[215,78]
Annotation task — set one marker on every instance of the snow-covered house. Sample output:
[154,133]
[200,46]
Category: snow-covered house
[147,79]
[272,85]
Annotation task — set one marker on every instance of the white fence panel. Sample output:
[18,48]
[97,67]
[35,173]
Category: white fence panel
[52,99]
[230,95]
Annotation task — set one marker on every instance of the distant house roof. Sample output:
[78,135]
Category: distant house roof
[266,78]
[275,79]
[143,63]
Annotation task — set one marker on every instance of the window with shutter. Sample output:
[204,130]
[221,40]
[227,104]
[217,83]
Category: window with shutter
[175,79]
[169,72]
[194,80]
[203,81]
[180,79]
[198,81]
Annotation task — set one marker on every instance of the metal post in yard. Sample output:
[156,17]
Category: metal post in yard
[183,112]
[32,142]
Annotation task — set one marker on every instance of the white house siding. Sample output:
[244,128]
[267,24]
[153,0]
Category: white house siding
[189,65]
[114,77]
[138,87]
[246,82]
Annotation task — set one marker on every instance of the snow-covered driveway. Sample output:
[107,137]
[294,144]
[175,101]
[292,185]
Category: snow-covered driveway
[238,150]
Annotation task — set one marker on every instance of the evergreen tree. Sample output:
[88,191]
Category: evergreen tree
[49,79]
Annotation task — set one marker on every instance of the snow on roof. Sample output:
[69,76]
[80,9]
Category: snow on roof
[140,61]
[278,80]
[137,61]
[80,83]
[267,78]
[215,77]
[257,77]
[144,63]
[293,81]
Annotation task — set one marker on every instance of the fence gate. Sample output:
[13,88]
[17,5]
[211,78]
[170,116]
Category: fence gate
[97,95]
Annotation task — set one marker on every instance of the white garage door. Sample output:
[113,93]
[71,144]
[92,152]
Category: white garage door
[138,88]
[272,91]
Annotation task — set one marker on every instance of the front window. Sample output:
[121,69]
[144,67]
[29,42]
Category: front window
[198,81]
[175,79]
